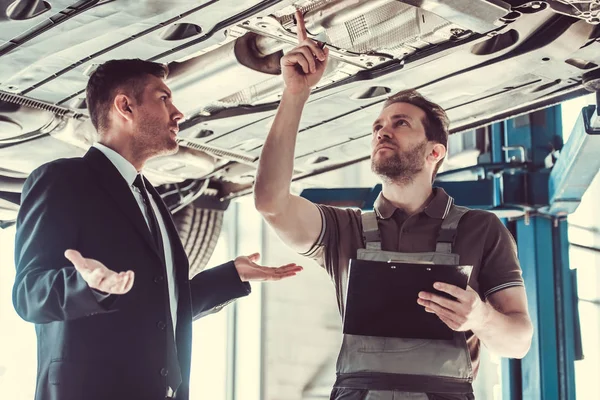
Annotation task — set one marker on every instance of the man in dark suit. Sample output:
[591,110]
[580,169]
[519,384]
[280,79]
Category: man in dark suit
[117,323]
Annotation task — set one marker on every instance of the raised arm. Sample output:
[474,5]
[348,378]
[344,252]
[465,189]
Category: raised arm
[297,221]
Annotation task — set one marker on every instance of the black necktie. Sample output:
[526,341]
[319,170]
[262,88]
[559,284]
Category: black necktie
[152,221]
[173,373]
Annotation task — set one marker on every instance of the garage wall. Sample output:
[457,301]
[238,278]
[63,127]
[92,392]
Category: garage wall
[302,328]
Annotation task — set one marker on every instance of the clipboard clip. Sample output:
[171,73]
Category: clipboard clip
[390,261]
[395,261]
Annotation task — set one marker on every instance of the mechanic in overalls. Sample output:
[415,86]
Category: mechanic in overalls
[412,221]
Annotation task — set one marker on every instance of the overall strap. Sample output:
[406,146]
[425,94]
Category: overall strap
[447,233]
[371,233]
[404,383]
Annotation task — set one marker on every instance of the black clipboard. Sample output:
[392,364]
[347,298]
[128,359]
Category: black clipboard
[381,298]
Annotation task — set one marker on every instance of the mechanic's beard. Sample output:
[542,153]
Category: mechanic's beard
[400,168]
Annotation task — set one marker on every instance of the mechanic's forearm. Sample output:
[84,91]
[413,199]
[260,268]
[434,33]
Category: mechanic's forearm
[506,335]
[276,165]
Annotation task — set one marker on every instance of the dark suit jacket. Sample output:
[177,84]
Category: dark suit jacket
[117,348]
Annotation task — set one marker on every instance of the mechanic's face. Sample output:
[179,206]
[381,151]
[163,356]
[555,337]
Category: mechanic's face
[157,119]
[399,145]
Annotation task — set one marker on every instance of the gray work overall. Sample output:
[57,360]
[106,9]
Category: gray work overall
[377,368]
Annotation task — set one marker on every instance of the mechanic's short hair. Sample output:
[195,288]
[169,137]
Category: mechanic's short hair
[436,120]
[128,76]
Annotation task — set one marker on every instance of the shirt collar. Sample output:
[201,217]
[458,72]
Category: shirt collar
[438,207]
[125,168]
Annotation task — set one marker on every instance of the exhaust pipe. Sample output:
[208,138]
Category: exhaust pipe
[247,61]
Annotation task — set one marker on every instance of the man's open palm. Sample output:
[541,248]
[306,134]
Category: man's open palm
[98,276]
[250,271]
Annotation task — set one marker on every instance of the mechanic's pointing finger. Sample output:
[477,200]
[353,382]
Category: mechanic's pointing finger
[300,27]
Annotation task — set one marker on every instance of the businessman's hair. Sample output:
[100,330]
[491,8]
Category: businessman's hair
[114,77]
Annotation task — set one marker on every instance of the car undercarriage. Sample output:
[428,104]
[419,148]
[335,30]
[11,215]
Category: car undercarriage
[481,60]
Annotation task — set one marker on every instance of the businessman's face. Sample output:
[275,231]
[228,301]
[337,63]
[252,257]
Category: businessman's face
[157,120]
[399,144]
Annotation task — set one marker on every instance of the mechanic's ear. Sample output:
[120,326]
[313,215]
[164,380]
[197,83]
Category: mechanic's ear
[437,152]
[122,104]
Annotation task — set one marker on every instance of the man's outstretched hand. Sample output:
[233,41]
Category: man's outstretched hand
[98,276]
[250,271]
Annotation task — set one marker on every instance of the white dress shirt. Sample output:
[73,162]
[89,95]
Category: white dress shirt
[129,173]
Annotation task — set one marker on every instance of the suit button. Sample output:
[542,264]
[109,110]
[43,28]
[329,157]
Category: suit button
[158,279]
[164,372]
[161,325]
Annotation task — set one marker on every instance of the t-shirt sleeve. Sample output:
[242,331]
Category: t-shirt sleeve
[340,236]
[500,267]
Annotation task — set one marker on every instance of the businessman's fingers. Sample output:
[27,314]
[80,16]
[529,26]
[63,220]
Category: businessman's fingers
[120,283]
[95,278]
[129,282]
[254,257]
[98,277]
[276,274]
[111,282]
[78,261]
[286,269]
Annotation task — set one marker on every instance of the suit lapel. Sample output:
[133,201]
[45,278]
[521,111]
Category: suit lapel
[112,182]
